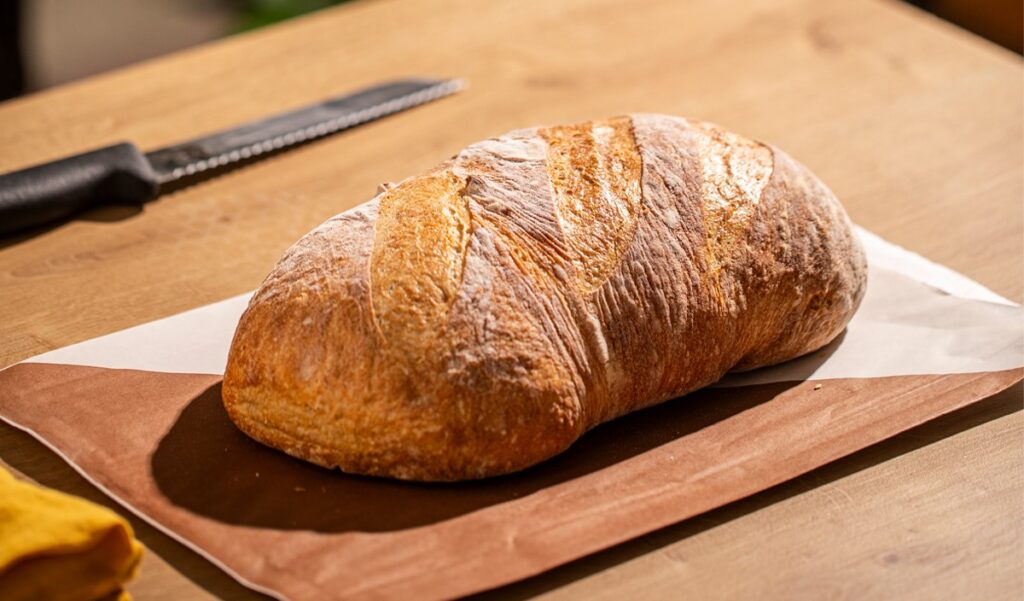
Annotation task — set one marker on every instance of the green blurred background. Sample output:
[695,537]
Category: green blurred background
[258,13]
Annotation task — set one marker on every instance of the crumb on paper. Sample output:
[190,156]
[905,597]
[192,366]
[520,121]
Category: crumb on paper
[817,386]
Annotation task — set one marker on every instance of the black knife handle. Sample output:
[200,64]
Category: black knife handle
[115,174]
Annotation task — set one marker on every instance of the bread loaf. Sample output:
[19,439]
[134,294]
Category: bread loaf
[479,318]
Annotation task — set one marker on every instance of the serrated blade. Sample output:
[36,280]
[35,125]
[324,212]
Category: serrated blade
[295,127]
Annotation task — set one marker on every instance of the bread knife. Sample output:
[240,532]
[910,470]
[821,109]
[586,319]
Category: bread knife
[123,174]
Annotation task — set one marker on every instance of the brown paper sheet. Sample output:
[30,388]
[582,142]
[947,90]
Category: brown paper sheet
[161,444]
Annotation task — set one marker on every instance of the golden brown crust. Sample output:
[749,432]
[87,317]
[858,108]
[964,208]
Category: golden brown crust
[419,248]
[595,176]
[478,319]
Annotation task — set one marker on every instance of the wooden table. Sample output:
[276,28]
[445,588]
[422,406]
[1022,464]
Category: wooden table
[915,124]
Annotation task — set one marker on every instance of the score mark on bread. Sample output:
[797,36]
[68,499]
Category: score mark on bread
[419,248]
[595,174]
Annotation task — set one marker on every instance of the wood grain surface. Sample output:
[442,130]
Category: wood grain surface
[916,125]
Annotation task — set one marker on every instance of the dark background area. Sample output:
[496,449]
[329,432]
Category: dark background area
[1001,21]
[44,43]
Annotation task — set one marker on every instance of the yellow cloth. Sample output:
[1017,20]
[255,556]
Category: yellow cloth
[58,547]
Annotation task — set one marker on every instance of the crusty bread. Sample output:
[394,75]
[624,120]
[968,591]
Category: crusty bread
[477,319]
